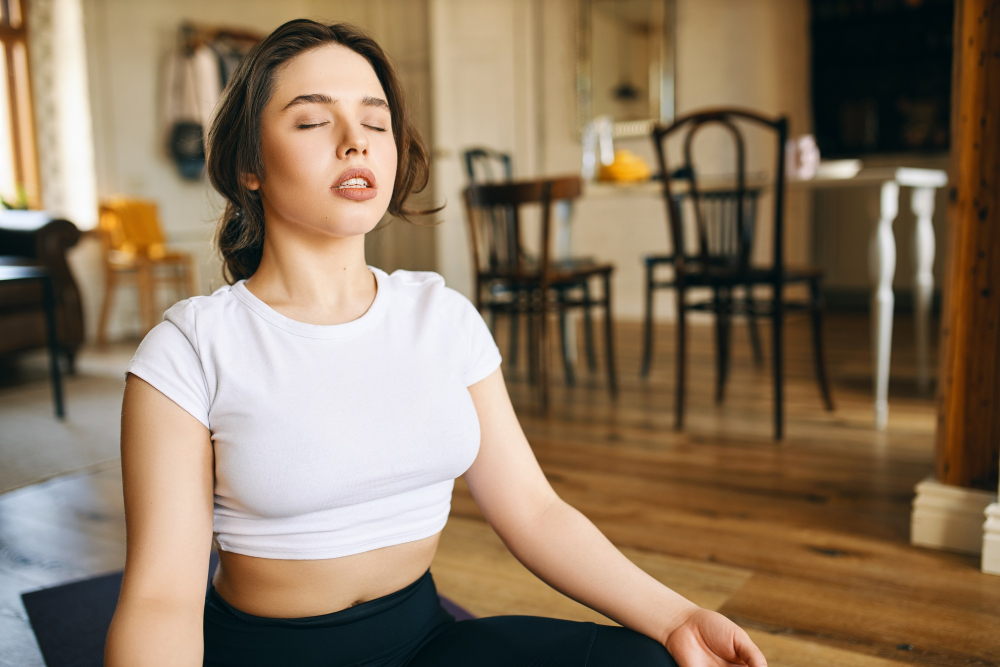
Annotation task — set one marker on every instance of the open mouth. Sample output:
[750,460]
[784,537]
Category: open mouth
[356,182]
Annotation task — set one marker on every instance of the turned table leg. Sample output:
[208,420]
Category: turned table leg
[882,266]
[922,203]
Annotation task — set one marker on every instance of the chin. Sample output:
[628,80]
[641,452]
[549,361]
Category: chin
[354,225]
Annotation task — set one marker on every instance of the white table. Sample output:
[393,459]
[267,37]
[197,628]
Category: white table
[881,252]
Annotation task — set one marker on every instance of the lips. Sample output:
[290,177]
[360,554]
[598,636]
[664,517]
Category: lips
[357,184]
[356,174]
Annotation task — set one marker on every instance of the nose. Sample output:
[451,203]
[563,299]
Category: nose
[353,141]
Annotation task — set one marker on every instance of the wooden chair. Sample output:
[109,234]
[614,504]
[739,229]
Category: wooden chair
[134,246]
[486,165]
[725,224]
[509,281]
[719,205]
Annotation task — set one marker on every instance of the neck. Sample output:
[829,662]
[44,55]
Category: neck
[313,277]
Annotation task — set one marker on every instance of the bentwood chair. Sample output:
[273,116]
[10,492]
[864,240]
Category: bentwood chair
[134,246]
[509,281]
[725,222]
[721,206]
[486,165]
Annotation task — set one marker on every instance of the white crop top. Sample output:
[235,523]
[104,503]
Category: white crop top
[329,440]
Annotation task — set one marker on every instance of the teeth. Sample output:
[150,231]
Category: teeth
[354,183]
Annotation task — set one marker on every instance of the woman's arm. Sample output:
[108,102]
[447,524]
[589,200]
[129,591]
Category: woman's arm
[564,549]
[168,483]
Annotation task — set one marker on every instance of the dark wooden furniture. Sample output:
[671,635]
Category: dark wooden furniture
[719,208]
[725,223]
[509,281]
[486,165]
[36,239]
[15,275]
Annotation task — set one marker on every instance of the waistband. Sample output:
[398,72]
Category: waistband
[422,592]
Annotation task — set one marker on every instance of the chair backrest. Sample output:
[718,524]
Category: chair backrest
[485,165]
[132,226]
[725,229]
[495,236]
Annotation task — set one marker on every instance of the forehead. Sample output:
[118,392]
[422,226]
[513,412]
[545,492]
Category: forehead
[330,69]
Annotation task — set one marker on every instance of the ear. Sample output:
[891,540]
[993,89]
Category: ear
[250,181]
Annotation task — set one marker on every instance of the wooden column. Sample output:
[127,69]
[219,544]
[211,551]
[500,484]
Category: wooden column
[968,432]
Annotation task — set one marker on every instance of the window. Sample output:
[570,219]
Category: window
[19,181]
[881,76]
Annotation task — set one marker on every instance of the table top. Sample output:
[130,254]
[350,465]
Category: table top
[13,272]
[831,175]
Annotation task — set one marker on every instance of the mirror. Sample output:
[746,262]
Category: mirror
[625,63]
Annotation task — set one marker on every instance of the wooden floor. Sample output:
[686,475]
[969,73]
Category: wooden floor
[804,543]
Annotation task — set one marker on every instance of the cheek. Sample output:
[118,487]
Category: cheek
[388,165]
[292,161]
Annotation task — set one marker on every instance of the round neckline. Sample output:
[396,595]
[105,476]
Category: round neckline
[342,330]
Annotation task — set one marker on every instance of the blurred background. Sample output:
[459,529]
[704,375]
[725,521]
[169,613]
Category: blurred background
[801,478]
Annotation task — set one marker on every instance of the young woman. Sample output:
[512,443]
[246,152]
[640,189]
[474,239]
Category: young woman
[311,418]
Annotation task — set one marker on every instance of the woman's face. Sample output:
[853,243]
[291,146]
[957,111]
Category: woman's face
[328,150]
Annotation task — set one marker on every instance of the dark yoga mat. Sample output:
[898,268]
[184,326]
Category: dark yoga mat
[71,621]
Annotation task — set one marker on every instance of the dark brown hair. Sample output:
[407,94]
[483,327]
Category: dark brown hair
[233,145]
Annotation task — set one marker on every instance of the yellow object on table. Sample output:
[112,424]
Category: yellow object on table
[626,168]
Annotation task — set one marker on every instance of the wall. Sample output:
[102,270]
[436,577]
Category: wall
[127,41]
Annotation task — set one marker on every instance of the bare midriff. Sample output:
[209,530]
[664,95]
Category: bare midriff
[297,588]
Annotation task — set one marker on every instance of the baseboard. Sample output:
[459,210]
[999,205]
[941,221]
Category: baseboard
[991,540]
[949,517]
[854,300]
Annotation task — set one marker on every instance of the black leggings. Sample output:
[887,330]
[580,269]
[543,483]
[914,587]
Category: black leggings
[410,628]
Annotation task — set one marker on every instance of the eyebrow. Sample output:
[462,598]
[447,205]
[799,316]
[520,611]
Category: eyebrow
[321,98]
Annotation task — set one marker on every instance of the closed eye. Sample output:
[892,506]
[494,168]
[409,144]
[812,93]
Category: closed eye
[305,126]
[377,129]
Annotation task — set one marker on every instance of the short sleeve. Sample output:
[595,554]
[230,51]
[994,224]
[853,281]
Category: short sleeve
[483,355]
[168,360]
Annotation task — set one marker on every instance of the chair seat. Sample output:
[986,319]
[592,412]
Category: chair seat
[126,261]
[755,276]
[562,273]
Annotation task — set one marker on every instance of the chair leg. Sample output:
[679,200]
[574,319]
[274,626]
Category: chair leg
[514,331]
[564,339]
[532,341]
[778,321]
[816,309]
[720,353]
[147,293]
[758,352]
[542,355]
[110,286]
[723,318]
[647,335]
[679,366]
[609,337]
[52,336]
[588,330]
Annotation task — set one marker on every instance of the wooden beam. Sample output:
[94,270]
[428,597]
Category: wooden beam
[968,433]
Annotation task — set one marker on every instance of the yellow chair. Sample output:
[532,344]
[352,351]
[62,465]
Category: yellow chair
[134,245]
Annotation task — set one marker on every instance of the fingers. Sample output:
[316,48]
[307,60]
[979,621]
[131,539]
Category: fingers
[747,650]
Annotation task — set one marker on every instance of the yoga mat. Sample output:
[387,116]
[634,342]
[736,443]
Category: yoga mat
[71,621]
